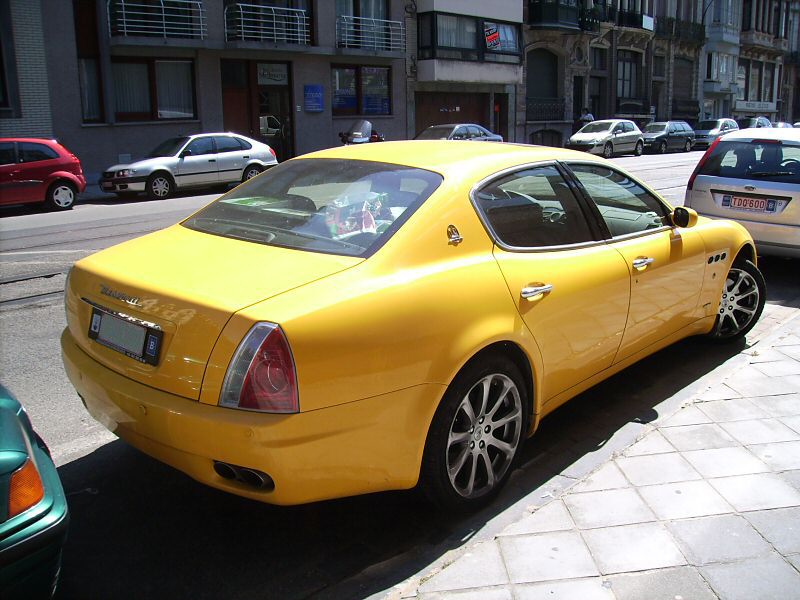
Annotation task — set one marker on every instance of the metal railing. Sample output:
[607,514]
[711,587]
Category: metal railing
[563,13]
[254,22]
[157,18]
[669,27]
[544,109]
[370,34]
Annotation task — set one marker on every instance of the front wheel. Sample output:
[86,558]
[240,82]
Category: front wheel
[60,196]
[159,186]
[688,146]
[743,298]
[639,148]
[608,150]
[662,147]
[475,435]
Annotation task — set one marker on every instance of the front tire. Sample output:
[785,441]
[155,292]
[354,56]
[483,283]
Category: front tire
[475,435]
[60,196]
[688,146]
[608,150]
[639,149]
[743,298]
[160,186]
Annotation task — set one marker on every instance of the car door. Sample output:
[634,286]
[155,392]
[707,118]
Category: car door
[230,158]
[36,163]
[666,263]
[631,136]
[197,163]
[9,174]
[461,133]
[571,290]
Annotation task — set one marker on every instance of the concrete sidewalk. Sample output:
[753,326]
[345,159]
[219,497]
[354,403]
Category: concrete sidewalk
[706,504]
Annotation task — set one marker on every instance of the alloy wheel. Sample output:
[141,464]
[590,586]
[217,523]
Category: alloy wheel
[739,305]
[252,172]
[484,435]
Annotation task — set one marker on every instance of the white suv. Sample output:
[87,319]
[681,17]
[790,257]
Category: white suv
[753,176]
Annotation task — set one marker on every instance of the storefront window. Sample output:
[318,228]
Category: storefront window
[361,90]
[375,90]
[626,74]
[345,100]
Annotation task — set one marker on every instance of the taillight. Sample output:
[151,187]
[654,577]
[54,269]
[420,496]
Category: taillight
[271,151]
[25,489]
[700,164]
[262,374]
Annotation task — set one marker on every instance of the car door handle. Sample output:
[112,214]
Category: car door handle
[212,160]
[641,263]
[248,156]
[532,291]
[750,188]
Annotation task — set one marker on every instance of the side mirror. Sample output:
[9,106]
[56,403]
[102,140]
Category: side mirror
[186,153]
[684,217]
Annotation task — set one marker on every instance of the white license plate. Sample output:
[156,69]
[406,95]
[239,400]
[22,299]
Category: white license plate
[126,335]
[108,186]
[765,205]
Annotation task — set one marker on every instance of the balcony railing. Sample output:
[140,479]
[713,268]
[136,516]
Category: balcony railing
[544,109]
[257,23]
[157,18]
[669,27]
[370,34]
[550,13]
[589,20]
[624,18]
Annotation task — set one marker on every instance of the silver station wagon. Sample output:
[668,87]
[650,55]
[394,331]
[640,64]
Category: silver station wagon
[192,161]
[753,176]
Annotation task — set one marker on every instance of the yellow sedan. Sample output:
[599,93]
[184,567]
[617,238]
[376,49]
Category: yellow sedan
[384,316]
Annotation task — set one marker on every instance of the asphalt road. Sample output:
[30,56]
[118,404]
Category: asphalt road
[141,529]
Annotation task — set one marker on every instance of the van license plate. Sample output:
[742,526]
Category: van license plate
[765,205]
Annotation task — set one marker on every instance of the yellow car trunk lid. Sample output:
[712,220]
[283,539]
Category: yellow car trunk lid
[186,284]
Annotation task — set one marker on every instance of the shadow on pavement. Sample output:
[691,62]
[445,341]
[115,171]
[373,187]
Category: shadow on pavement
[142,529]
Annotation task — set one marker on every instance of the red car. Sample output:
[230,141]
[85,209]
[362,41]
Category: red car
[38,170]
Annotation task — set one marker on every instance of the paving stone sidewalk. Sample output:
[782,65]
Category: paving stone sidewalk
[705,505]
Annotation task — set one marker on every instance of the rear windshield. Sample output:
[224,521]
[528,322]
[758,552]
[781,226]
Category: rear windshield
[335,206]
[703,125]
[655,128]
[765,161]
[596,127]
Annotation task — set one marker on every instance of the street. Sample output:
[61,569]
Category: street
[142,529]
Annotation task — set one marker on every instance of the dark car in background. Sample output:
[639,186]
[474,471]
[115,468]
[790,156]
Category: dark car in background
[459,131]
[34,170]
[33,508]
[705,132]
[753,122]
[663,136]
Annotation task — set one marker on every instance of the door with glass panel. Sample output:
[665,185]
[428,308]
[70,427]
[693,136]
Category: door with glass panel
[544,244]
[666,263]
[197,163]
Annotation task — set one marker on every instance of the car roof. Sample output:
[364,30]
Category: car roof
[31,139]
[453,158]
[764,133]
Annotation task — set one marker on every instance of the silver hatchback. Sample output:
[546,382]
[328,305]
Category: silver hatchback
[191,161]
[753,176]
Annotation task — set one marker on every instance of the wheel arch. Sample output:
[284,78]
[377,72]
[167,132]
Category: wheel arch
[746,252]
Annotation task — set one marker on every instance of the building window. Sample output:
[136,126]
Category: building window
[460,37]
[754,87]
[152,90]
[769,76]
[361,90]
[88,47]
[9,92]
[4,101]
[627,80]
[741,79]
[659,66]
[598,58]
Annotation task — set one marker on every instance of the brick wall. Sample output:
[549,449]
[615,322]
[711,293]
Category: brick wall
[35,119]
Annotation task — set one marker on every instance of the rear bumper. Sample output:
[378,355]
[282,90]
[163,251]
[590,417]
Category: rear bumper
[773,239]
[365,446]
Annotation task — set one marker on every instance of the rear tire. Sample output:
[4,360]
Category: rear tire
[475,435]
[250,172]
[60,196]
[662,147]
[639,149]
[608,150]
[160,186]
[743,298]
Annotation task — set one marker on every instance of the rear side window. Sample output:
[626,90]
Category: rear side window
[758,160]
[625,206]
[335,206]
[7,156]
[227,144]
[31,152]
[533,208]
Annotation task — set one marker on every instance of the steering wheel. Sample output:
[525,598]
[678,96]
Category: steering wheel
[791,164]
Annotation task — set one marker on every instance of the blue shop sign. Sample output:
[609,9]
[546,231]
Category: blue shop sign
[314,98]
